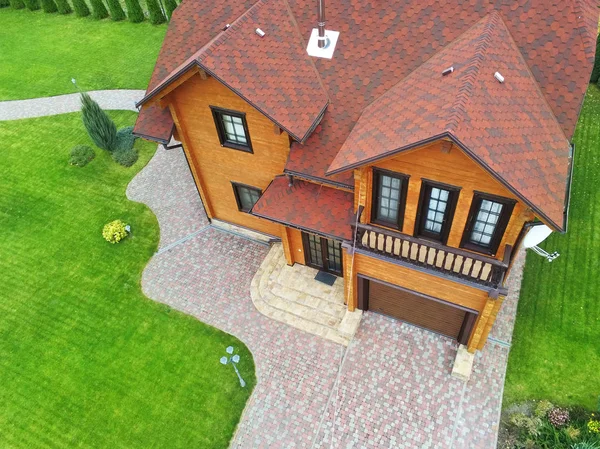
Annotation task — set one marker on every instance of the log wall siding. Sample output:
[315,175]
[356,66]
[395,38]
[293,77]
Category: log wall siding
[454,168]
[428,284]
[350,281]
[296,245]
[217,166]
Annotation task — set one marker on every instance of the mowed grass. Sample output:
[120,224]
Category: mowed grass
[40,53]
[86,360]
[556,345]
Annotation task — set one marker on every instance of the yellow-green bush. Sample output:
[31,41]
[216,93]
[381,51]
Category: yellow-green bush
[114,231]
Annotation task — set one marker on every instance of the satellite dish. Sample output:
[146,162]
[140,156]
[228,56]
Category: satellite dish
[536,235]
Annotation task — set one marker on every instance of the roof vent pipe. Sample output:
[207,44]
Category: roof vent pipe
[321,24]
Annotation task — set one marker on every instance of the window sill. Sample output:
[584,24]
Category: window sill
[478,249]
[234,146]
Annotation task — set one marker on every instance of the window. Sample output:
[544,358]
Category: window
[232,129]
[436,211]
[245,196]
[487,222]
[389,198]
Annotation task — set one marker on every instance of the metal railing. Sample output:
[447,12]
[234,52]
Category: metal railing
[445,260]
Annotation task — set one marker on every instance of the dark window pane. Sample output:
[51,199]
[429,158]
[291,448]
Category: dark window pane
[247,197]
[388,198]
[485,223]
[233,128]
[436,210]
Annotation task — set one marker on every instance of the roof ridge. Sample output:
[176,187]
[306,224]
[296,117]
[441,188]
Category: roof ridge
[588,46]
[472,70]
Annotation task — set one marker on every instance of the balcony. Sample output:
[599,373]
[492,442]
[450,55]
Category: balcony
[449,262]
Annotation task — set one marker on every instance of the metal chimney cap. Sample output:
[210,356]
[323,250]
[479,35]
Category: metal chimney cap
[260,32]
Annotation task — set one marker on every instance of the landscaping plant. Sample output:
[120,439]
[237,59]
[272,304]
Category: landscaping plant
[98,10]
[116,11]
[170,6]
[17,4]
[32,5]
[4,3]
[596,71]
[155,14]
[115,231]
[81,155]
[134,11]
[49,6]
[100,127]
[63,7]
[125,138]
[81,8]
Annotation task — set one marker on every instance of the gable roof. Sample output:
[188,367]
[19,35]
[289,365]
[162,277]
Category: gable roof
[273,73]
[507,127]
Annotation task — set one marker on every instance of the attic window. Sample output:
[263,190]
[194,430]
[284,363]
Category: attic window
[232,129]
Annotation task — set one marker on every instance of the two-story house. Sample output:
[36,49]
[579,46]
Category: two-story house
[410,160]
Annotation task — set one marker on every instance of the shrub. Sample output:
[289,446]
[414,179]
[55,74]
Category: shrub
[586,445]
[49,6]
[81,8]
[596,70]
[593,424]
[155,14]
[558,417]
[116,11]
[17,4]
[125,157]
[4,3]
[32,5]
[134,11]
[542,408]
[81,155]
[572,432]
[98,10]
[100,127]
[530,425]
[170,6]
[115,231]
[63,7]
[125,138]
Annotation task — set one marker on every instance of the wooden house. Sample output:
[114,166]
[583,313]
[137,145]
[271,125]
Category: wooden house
[410,161]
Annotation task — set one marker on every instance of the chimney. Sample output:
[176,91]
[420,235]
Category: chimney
[321,24]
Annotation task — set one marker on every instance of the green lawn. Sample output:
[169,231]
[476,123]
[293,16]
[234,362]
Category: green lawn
[556,350]
[40,53]
[86,360]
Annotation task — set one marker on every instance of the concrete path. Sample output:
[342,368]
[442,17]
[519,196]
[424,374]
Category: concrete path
[391,388]
[61,104]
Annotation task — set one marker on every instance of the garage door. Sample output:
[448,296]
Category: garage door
[420,310]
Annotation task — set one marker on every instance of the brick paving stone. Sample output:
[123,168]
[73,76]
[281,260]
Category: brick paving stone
[394,388]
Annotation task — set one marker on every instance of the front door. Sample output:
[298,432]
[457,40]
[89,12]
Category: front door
[323,254]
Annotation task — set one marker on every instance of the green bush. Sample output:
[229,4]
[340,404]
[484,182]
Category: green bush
[116,11]
[81,155]
[98,10]
[134,11]
[155,14]
[63,7]
[17,4]
[49,6]
[32,5]
[100,127]
[596,70]
[125,138]
[4,3]
[81,8]
[586,445]
[170,6]
[126,158]
[115,231]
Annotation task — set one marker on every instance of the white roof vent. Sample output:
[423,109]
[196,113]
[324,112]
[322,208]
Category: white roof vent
[322,42]
[499,77]
[448,71]
[260,32]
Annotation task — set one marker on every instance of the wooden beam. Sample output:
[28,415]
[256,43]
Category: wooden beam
[446,146]
[187,148]
[174,85]
[482,329]
[350,297]
[276,130]
[287,247]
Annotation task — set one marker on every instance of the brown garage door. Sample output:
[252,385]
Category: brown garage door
[420,310]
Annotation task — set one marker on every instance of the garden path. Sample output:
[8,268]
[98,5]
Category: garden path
[119,99]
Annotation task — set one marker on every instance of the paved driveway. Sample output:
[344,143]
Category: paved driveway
[391,388]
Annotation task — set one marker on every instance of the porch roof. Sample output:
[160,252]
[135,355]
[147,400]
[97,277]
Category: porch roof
[309,206]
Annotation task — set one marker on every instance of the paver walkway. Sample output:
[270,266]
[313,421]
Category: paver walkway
[391,388]
[61,104]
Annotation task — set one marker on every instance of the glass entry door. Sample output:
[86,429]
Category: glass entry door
[322,253]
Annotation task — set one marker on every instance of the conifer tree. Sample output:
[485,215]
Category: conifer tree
[134,11]
[155,14]
[100,127]
[81,8]
[17,4]
[170,6]
[49,6]
[4,3]
[63,7]
[596,71]
[98,10]
[116,11]
[32,5]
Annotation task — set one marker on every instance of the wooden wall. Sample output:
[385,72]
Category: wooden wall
[454,168]
[216,166]
[293,247]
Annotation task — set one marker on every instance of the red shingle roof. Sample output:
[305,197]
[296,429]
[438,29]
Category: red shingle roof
[273,73]
[323,210]
[154,123]
[508,127]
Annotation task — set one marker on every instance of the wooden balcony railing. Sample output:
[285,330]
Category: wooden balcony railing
[451,262]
